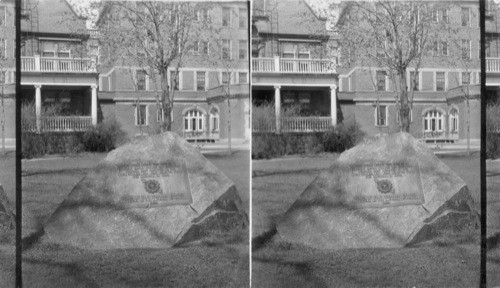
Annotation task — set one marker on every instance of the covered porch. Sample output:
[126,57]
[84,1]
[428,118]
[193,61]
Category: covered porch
[297,108]
[59,108]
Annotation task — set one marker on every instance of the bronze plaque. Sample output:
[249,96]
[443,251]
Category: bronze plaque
[384,184]
[152,185]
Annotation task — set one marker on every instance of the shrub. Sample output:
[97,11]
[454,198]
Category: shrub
[343,136]
[493,131]
[105,136]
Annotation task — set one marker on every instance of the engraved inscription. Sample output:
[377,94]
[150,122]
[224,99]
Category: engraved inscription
[153,184]
[384,184]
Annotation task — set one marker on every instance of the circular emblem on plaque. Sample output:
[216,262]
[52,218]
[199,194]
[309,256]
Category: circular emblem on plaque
[151,185]
[384,186]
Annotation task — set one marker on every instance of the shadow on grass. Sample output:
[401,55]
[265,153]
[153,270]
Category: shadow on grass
[73,171]
[493,241]
[261,240]
[29,241]
[72,269]
[261,173]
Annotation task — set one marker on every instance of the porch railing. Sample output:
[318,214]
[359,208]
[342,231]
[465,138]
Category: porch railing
[48,64]
[294,125]
[60,124]
[492,64]
[286,65]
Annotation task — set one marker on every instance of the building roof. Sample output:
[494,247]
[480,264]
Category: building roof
[54,16]
[289,17]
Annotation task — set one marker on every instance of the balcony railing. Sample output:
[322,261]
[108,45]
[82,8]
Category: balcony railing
[66,65]
[60,124]
[292,66]
[492,64]
[294,124]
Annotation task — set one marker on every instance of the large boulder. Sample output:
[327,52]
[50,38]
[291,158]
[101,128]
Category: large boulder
[158,191]
[389,191]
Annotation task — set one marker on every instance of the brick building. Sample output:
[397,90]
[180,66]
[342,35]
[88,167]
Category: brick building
[200,111]
[359,91]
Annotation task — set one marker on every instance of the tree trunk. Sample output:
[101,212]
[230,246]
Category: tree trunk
[404,110]
[166,102]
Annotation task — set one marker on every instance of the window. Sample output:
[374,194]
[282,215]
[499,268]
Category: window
[196,48]
[444,13]
[226,17]
[226,49]
[3,50]
[226,78]
[465,17]
[380,80]
[435,48]
[3,21]
[200,81]
[454,120]
[414,81]
[141,80]
[174,80]
[2,77]
[433,121]
[141,112]
[243,18]
[380,49]
[193,121]
[242,77]
[465,49]
[45,53]
[202,15]
[160,117]
[465,78]
[444,48]
[440,81]
[435,16]
[214,120]
[397,116]
[243,49]
[381,115]
[205,46]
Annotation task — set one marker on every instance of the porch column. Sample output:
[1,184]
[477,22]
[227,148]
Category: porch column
[333,104]
[94,104]
[38,107]
[277,107]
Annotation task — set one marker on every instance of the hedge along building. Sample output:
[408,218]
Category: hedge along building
[58,67]
[214,68]
[365,93]
[447,80]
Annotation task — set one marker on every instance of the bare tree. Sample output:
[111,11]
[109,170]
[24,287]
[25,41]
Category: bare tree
[157,35]
[392,35]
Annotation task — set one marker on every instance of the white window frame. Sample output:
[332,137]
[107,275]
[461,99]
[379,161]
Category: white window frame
[159,114]
[454,119]
[437,115]
[196,80]
[442,44]
[196,48]
[469,56]
[410,80]
[136,114]
[385,80]
[246,77]
[230,49]
[199,116]
[64,51]
[222,78]
[49,51]
[136,76]
[214,118]
[435,81]
[222,19]
[376,115]
[4,24]
[446,12]
[462,78]
[239,18]
[239,49]
[461,14]
[411,116]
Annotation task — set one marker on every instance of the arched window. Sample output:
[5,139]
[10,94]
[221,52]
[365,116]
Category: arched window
[454,120]
[433,121]
[214,119]
[193,121]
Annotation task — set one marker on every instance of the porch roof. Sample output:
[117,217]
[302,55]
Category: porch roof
[370,96]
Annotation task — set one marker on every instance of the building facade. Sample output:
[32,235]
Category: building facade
[366,93]
[201,90]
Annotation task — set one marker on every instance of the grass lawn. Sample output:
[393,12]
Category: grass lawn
[275,186]
[206,264]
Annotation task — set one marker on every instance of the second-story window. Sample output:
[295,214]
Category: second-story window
[243,18]
[380,80]
[226,16]
[440,81]
[196,48]
[226,78]
[141,80]
[414,81]
[3,50]
[465,49]
[174,80]
[226,49]
[465,16]
[465,78]
[205,46]
[242,77]
[3,17]
[243,49]
[200,81]
[444,48]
